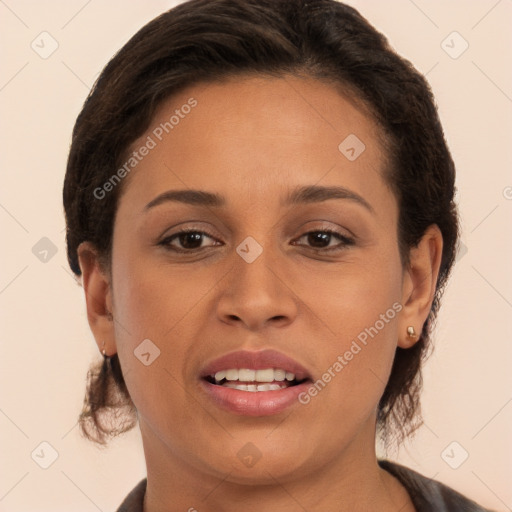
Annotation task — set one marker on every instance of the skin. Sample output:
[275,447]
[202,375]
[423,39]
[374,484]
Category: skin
[253,140]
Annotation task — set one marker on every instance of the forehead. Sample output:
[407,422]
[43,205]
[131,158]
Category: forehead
[251,136]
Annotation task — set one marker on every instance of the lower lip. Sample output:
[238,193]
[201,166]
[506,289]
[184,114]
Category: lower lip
[257,403]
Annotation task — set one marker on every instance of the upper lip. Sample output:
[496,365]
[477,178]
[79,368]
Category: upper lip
[259,360]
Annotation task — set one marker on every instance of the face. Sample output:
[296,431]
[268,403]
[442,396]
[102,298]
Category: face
[292,266]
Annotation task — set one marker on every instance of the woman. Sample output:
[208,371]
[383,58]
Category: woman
[259,201]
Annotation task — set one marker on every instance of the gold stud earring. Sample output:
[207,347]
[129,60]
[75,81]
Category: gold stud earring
[411,333]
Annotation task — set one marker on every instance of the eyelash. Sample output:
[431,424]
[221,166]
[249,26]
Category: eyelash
[344,241]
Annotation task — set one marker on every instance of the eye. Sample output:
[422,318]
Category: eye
[186,241]
[321,240]
[190,240]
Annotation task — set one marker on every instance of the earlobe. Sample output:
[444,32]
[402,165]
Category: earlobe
[411,338]
[419,286]
[96,285]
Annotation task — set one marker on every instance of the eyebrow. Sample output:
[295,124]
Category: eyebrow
[316,194]
[300,195]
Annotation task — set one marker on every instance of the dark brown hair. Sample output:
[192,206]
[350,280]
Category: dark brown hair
[210,40]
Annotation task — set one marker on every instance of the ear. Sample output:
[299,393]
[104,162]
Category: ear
[98,297]
[419,284]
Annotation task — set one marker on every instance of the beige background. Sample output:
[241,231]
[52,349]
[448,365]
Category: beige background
[45,340]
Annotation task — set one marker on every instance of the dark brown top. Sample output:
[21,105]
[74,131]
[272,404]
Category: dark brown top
[427,495]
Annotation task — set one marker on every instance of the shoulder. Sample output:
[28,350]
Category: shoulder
[430,495]
[134,501]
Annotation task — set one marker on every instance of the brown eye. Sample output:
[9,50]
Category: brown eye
[186,241]
[323,240]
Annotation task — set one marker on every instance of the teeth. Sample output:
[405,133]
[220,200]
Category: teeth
[280,375]
[220,375]
[232,374]
[254,387]
[247,375]
[265,375]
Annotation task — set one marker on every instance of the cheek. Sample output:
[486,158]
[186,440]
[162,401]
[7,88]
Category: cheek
[354,368]
[348,297]
[152,299]
[358,306]
[158,310]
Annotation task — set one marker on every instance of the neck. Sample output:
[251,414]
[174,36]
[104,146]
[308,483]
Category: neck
[351,481]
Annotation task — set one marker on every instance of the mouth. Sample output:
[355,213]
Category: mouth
[254,383]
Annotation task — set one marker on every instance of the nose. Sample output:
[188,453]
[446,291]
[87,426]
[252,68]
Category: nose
[257,294]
